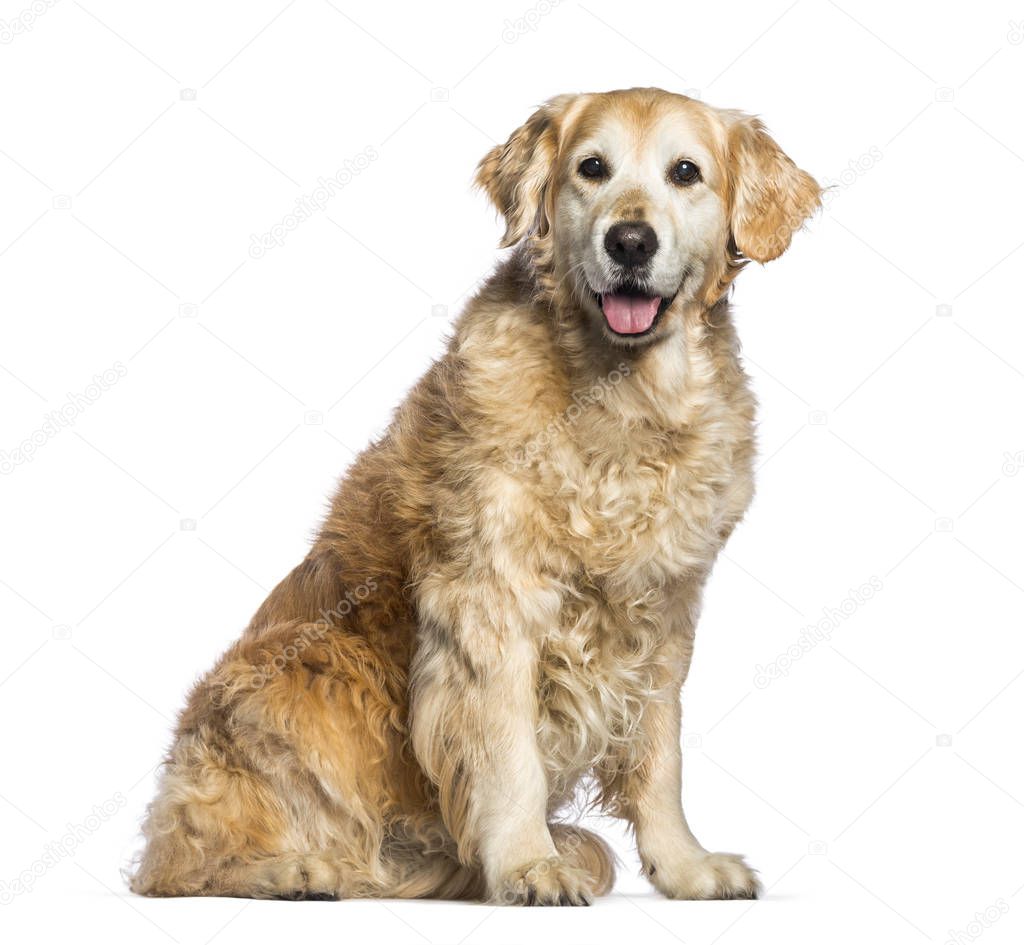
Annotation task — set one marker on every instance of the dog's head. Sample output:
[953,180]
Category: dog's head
[630,201]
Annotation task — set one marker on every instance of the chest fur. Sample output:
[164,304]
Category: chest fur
[635,515]
[635,519]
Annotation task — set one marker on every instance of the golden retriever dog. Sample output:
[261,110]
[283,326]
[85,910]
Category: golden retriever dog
[500,605]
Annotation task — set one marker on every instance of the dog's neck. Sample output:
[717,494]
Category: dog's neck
[670,382]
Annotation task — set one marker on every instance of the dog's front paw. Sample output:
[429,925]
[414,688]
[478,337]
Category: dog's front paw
[708,876]
[547,882]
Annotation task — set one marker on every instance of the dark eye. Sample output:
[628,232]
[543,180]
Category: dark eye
[593,168]
[685,172]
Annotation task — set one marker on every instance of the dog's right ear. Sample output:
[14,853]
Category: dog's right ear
[516,175]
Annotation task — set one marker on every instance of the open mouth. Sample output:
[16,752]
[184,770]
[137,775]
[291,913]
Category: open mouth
[630,311]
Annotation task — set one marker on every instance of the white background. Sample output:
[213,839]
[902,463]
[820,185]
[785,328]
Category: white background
[878,786]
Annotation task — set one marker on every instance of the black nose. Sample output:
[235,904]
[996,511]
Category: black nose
[631,244]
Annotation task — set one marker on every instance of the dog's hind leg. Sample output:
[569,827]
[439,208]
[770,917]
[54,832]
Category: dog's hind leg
[291,784]
[214,830]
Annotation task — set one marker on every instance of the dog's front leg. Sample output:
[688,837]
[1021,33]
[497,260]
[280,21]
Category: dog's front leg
[650,796]
[474,711]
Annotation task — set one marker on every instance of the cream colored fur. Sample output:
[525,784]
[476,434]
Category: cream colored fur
[524,553]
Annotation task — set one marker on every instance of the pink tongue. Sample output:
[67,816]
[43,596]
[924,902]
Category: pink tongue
[629,314]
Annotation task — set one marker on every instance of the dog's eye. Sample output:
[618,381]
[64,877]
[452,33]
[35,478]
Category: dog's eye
[593,168]
[685,172]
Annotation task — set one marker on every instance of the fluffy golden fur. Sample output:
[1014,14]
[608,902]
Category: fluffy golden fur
[502,599]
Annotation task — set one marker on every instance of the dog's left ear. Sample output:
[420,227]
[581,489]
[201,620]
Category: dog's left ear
[516,175]
[770,196]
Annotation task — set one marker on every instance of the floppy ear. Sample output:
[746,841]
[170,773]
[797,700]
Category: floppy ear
[771,196]
[516,175]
